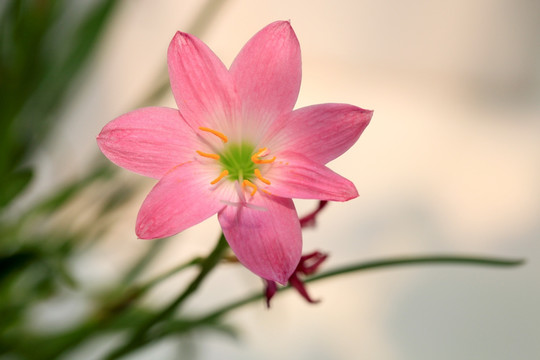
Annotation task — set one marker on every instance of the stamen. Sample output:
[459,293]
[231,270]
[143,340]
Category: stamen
[217,133]
[208,155]
[251,185]
[259,176]
[221,176]
[256,160]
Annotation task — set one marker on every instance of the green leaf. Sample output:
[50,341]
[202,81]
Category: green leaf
[13,184]
[42,50]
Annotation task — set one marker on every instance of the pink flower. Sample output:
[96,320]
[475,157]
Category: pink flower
[235,147]
[308,265]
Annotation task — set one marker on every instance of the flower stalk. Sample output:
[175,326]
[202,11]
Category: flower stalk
[369,265]
[182,325]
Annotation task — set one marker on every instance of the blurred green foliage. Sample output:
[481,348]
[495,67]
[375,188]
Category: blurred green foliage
[44,45]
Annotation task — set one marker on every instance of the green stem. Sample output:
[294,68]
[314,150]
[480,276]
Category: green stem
[122,300]
[434,259]
[140,337]
[150,283]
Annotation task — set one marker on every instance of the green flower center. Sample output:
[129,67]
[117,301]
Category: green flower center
[236,159]
[239,162]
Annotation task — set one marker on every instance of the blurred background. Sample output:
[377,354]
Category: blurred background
[450,164]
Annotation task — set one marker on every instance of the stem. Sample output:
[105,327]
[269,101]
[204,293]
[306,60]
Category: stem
[150,283]
[435,259]
[140,337]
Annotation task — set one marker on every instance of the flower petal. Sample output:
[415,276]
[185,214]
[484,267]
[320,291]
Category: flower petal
[268,242]
[321,132]
[270,291]
[295,176]
[182,198]
[300,287]
[202,86]
[267,73]
[149,141]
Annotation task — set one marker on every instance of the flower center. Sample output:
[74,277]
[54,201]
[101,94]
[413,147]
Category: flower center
[236,159]
[239,161]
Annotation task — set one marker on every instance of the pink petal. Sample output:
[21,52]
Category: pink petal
[267,73]
[270,291]
[201,84]
[295,176]
[300,287]
[268,242]
[321,132]
[310,219]
[148,141]
[311,262]
[183,198]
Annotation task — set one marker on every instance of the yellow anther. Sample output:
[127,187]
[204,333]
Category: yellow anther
[256,160]
[251,185]
[260,177]
[208,155]
[217,133]
[221,176]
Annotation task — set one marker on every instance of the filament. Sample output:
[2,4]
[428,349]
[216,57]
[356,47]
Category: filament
[256,160]
[251,185]
[259,176]
[220,135]
[221,176]
[208,155]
